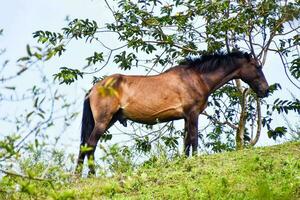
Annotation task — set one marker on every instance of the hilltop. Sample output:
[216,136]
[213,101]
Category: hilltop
[259,173]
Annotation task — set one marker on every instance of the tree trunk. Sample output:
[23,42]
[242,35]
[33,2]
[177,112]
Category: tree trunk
[259,123]
[242,123]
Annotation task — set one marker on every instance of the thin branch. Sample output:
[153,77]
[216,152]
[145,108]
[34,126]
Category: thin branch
[106,63]
[14,76]
[251,44]
[226,33]
[24,176]
[39,125]
[286,33]
[112,11]
[219,122]
[149,68]
[156,61]
[174,45]
[285,67]
[107,60]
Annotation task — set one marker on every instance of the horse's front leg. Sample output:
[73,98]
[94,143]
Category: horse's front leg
[186,139]
[191,137]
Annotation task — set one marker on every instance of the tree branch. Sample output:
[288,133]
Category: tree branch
[175,45]
[219,122]
[24,176]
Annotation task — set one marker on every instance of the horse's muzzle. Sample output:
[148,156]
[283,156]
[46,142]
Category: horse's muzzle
[264,93]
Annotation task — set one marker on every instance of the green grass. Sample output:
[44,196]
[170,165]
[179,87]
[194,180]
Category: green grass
[258,173]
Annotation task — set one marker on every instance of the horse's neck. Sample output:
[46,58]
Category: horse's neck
[215,80]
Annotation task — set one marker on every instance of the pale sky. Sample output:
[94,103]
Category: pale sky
[20,18]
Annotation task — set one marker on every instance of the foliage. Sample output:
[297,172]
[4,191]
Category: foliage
[280,106]
[67,75]
[32,106]
[286,106]
[37,176]
[117,159]
[7,146]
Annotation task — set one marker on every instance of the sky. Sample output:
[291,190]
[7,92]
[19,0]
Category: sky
[20,18]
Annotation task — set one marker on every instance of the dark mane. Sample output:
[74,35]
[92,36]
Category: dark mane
[211,62]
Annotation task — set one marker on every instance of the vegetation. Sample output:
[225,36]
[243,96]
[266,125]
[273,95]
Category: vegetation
[152,36]
[260,173]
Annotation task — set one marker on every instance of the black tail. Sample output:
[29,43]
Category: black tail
[88,122]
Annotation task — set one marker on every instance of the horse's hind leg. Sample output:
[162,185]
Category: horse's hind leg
[103,110]
[107,119]
[99,129]
[80,161]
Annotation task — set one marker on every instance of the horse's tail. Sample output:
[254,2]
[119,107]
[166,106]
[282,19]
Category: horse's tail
[88,123]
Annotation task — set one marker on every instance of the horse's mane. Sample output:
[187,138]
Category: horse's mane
[211,62]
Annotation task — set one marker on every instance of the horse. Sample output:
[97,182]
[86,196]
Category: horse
[180,92]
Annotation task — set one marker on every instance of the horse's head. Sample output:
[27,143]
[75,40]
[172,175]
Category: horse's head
[251,73]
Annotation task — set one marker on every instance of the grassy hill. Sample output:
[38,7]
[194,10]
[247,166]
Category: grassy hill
[259,173]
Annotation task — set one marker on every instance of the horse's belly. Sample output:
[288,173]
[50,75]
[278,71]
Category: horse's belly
[150,100]
[152,115]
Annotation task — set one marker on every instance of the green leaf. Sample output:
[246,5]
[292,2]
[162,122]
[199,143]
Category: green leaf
[38,56]
[28,115]
[23,59]
[10,87]
[28,50]
[97,57]
[278,132]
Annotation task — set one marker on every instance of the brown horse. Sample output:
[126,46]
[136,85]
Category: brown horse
[178,93]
